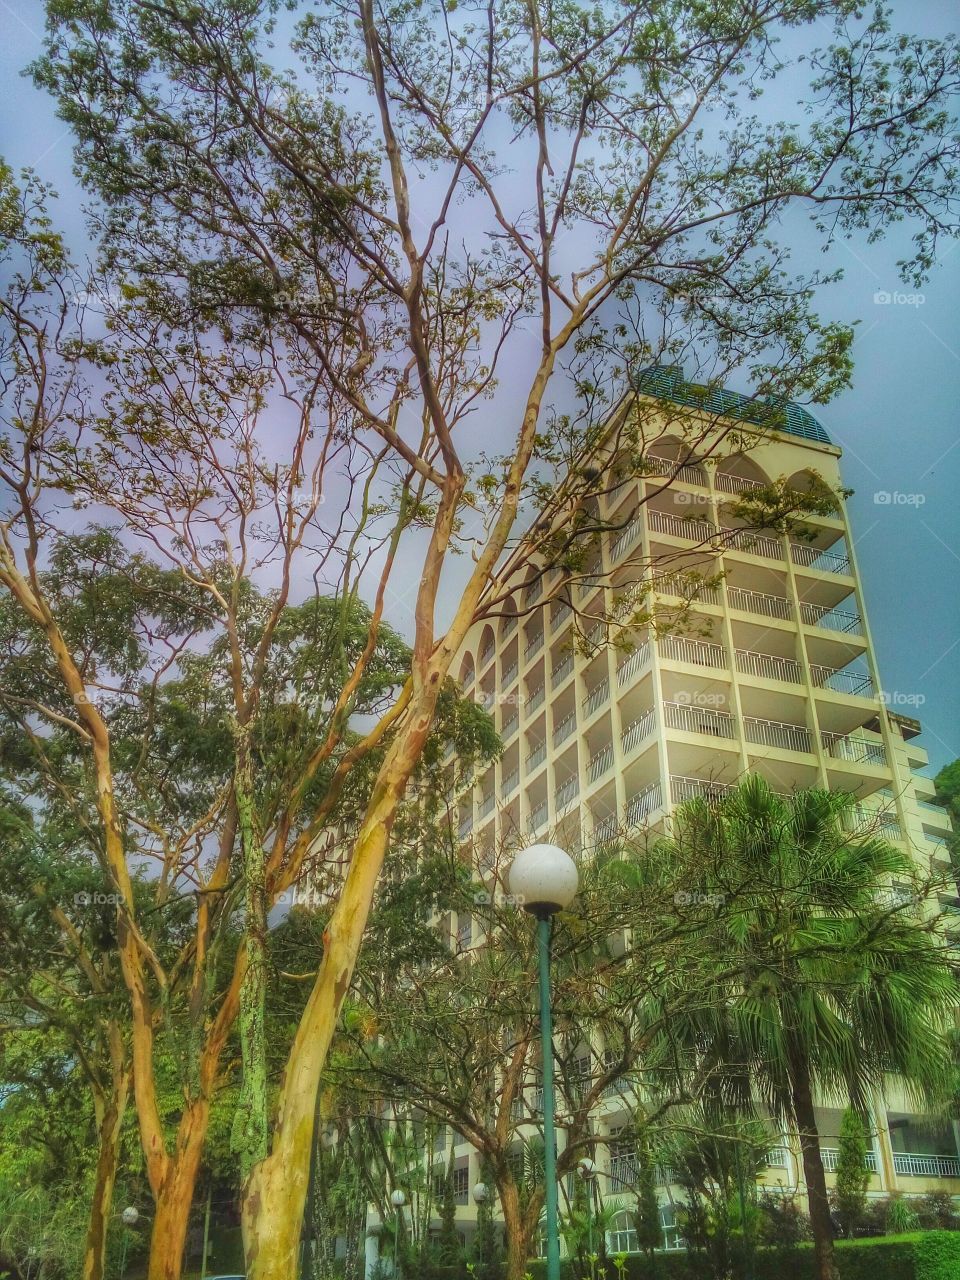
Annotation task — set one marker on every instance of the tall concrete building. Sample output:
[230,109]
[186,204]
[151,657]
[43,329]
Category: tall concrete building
[772,671]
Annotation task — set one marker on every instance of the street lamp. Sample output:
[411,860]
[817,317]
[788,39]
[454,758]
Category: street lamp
[587,1171]
[129,1217]
[481,1193]
[544,880]
[398,1200]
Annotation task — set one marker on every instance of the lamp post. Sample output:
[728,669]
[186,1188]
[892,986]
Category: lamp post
[587,1171]
[544,879]
[129,1217]
[398,1200]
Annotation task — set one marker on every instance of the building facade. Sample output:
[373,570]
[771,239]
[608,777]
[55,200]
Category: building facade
[772,671]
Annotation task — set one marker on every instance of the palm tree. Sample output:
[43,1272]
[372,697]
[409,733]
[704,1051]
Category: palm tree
[825,981]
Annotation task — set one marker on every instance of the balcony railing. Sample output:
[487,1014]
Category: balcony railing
[561,670]
[678,584]
[605,830]
[466,826]
[565,728]
[536,758]
[509,675]
[510,726]
[486,654]
[881,822]
[559,616]
[642,804]
[680,715]
[680,526]
[915,1165]
[600,763]
[538,817]
[629,667]
[822,561]
[626,538]
[688,472]
[840,681]
[849,747]
[831,1155]
[820,615]
[768,666]
[565,793]
[588,583]
[759,602]
[756,544]
[486,805]
[735,484]
[683,789]
[534,591]
[595,699]
[533,645]
[509,626]
[509,784]
[635,733]
[777,733]
[535,699]
[699,653]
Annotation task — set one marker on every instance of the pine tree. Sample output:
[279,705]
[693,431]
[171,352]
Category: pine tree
[647,1216]
[853,1176]
[449,1240]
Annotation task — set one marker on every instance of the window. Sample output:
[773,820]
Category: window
[461,1184]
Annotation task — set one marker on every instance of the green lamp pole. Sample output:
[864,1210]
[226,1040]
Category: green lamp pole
[543,878]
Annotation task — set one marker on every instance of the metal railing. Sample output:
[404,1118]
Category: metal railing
[560,614]
[466,826]
[759,602]
[533,645]
[699,653]
[755,544]
[535,699]
[831,1155]
[842,681]
[627,536]
[880,822]
[820,615]
[777,733]
[565,793]
[596,698]
[643,803]
[604,830]
[600,763]
[680,715]
[564,729]
[589,582]
[509,784]
[688,472]
[623,1173]
[679,584]
[768,666]
[815,558]
[635,733]
[486,804]
[536,757]
[914,1164]
[509,626]
[850,747]
[485,655]
[539,816]
[735,484]
[680,526]
[561,670]
[510,674]
[629,667]
[534,591]
[683,788]
[510,726]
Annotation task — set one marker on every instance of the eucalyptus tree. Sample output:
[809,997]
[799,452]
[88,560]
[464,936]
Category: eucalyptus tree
[838,983]
[293,186]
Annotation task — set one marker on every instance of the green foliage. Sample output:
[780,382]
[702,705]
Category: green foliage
[450,1251]
[646,1217]
[852,1174]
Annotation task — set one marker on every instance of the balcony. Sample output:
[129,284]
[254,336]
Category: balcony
[533,645]
[759,602]
[677,584]
[486,654]
[566,793]
[681,526]
[561,671]
[699,653]
[822,561]
[860,820]
[605,830]
[623,1173]
[632,664]
[538,817]
[600,763]
[595,699]
[509,675]
[628,536]
[841,681]
[536,758]
[486,805]
[768,666]
[777,733]
[559,616]
[635,733]
[683,789]
[680,715]
[642,804]
[510,784]
[850,747]
[535,699]
[565,728]
[831,1155]
[755,544]
[466,826]
[914,1165]
[510,625]
[735,484]
[534,591]
[688,472]
[819,615]
[589,583]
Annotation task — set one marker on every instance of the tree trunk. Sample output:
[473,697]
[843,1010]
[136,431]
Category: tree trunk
[818,1203]
[517,1230]
[109,1124]
[173,1198]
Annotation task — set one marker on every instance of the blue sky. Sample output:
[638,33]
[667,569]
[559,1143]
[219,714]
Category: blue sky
[899,425]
